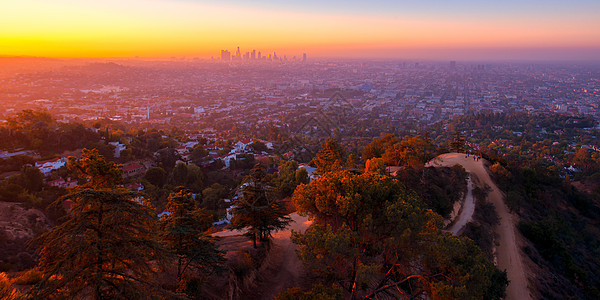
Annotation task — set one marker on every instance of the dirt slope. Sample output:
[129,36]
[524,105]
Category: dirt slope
[285,269]
[508,255]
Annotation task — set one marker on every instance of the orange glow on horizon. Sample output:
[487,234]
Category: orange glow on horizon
[156,28]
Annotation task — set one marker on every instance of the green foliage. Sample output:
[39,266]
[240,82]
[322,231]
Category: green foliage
[378,146]
[369,232]
[195,179]
[157,176]
[188,176]
[180,173]
[257,209]
[212,196]
[439,188]
[31,179]
[544,236]
[302,176]
[167,157]
[243,161]
[458,143]
[259,147]
[108,241]
[183,231]
[38,131]
[330,157]
[15,163]
[327,252]
[25,187]
[107,245]
[375,165]
[289,176]
[497,287]
[469,273]
[98,171]
[414,151]
[198,154]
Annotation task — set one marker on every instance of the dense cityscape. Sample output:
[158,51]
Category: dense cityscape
[395,93]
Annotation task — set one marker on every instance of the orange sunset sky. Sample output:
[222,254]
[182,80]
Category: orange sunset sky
[188,28]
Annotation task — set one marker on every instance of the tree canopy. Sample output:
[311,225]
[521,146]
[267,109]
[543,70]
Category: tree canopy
[373,237]
[258,210]
[107,247]
[103,250]
[184,235]
[330,157]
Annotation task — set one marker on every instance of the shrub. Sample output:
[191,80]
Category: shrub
[7,291]
[28,277]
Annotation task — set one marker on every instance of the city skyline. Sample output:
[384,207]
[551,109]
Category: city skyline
[257,55]
[463,30]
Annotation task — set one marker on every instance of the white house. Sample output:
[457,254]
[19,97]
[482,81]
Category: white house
[118,148]
[241,146]
[46,166]
[227,159]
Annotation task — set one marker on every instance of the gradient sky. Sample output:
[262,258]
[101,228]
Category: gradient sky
[377,28]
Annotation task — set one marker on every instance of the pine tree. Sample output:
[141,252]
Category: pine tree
[458,144]
[184,235]
[107,248]
[103,250]
[330,158]
[376,239]
[258,210]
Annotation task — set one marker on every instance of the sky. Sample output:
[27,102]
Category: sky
[428,29]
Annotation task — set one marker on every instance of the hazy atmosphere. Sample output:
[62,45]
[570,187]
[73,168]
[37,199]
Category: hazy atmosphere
[312,150]
[509,30]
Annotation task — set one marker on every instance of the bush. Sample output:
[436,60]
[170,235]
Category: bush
[241,264]
[28,277]
[7,291]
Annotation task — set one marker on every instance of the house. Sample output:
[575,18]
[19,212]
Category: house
[132,169]
[227,159]
[190,145]
[138,187]
[46,166]
[241,145]
[61,182]
[118,148]
[181,150]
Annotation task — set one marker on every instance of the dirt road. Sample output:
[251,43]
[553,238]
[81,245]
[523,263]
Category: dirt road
[507,254]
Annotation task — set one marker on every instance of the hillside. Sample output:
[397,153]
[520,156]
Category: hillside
[508,254]
[18,225]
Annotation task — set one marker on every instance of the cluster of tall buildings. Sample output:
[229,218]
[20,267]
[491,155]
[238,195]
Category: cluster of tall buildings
[257,56]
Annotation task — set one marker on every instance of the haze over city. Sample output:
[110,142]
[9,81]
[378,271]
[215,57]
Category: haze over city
[464,30]
[272,149]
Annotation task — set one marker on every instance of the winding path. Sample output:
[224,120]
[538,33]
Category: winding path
[466,213]
[507,254]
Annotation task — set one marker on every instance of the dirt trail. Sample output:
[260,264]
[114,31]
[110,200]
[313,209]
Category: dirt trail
[285,269]
[466,213]
[507,254]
